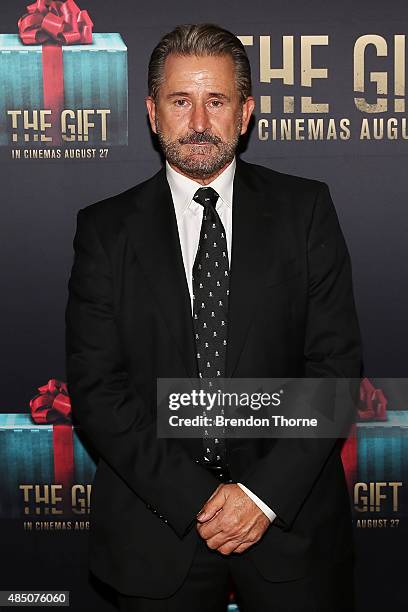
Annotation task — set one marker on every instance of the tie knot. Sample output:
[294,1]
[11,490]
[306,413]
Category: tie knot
[206,196]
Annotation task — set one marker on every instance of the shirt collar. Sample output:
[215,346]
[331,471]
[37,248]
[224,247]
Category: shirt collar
[183,188]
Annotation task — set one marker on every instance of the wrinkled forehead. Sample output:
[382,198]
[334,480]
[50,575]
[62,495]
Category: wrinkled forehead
[192,74]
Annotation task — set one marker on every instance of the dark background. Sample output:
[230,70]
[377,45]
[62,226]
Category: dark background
[39,201]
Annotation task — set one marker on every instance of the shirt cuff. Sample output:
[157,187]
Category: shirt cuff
[265,509]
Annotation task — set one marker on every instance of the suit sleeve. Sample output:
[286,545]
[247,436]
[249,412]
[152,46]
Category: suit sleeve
[284,477]
[119,424]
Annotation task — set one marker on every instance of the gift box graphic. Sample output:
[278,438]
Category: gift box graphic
[57,63]
[42,448]
[372,407]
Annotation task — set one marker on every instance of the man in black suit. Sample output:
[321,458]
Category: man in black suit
[212,267]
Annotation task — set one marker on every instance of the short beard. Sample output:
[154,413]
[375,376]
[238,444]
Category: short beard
[194,166]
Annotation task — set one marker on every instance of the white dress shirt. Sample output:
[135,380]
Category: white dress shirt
[189,215]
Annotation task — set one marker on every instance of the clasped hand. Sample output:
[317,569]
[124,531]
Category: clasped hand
[230,521]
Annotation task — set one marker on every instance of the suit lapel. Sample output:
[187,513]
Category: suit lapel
[152,227]
[254,225]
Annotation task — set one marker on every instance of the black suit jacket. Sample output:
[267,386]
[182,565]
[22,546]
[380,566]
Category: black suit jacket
[128,321]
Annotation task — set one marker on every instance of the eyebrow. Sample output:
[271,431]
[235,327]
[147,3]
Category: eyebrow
[215,94]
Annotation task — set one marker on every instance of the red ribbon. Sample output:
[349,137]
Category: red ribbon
[52,405]
[349,457]
[54,23]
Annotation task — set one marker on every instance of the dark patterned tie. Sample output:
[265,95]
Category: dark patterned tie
[210,306]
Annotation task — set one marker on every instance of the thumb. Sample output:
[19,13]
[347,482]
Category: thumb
[212,505]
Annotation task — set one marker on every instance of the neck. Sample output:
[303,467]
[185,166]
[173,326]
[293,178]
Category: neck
[200,179]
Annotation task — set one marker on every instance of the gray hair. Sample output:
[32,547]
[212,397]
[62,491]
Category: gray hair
[200,40]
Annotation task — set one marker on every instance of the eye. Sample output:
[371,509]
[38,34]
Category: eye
[180,102]
[216,103]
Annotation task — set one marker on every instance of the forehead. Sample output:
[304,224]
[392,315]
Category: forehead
[184,71]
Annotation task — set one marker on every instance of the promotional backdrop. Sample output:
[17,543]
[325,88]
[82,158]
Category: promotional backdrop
[331,104]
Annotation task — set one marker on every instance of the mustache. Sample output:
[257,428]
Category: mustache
[199,138]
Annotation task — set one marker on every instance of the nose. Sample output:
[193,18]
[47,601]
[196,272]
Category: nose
[199,117]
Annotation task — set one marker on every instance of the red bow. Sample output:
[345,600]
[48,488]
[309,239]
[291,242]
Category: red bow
[53,20]
[373,403]
[52,404]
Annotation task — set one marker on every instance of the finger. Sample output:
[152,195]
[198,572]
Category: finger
[209,528]
[220,535]
[211,496]
[211,518]
[243,546]
[211,506]
[229,547]
[201,524]
[221,540]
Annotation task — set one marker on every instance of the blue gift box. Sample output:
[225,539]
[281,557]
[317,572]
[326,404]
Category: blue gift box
[95,77]
[383,448]
[27,457]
